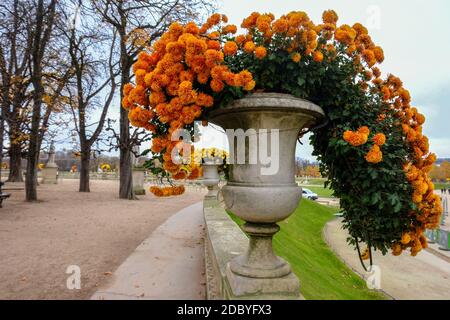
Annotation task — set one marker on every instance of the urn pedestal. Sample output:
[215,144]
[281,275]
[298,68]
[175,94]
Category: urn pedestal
[49,175]
[50,171]
[211,180]
[138,181]
[262,131]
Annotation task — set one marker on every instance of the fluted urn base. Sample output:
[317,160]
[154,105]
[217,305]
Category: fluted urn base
[211,180]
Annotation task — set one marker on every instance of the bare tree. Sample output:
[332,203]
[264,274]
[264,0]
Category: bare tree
[153,17]
[16,32]
[87,57]
[43,20]
[15,79]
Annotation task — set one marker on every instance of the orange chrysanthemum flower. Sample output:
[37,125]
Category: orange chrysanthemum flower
[296,57]
[260,52]
[374,155]
[330,16]
[230,48]
[216,85]
[364,130]
[318,56]
[355,138]
[249,46]
[379,139]
[280,26]
[229,29]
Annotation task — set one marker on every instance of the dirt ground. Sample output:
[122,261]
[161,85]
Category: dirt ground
[95,231]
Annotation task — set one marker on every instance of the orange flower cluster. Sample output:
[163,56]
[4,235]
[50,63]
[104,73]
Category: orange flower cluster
[167,191]
[358,137]
[374,155]
[397,98]
[379,139]
[140,117]
[181,60]
[429,209]
[295,25]
[304,35]
[427,214]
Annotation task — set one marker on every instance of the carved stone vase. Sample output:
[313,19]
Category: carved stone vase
[261,189]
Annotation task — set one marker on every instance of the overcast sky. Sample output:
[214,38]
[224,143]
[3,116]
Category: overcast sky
[414,35]
[415,39]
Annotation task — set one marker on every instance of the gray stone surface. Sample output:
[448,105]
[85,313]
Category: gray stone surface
[225,241]
[211,180]
[167,265]
[138,182]
[49,175]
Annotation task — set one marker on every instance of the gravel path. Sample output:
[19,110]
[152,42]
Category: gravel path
[95,231]
[426,276]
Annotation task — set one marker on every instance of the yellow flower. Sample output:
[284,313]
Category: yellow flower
[378,53]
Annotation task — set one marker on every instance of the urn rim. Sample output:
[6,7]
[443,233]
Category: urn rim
[269,101]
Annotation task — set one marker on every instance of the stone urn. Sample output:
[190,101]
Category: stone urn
[262,130]
[211,181]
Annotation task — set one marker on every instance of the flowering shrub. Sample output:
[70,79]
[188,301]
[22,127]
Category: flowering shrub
[105,167]
[371,148]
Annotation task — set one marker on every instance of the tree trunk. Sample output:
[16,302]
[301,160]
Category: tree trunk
[31,180]
[15,163]
[84,170]
[33,153]
[126,178]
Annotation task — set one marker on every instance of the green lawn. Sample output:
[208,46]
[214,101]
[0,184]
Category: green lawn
[317,181]
[322,275]
[439,185]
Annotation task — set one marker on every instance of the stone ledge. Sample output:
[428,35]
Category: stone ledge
[224,241]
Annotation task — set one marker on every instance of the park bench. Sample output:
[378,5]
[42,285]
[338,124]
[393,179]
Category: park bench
[3,195]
